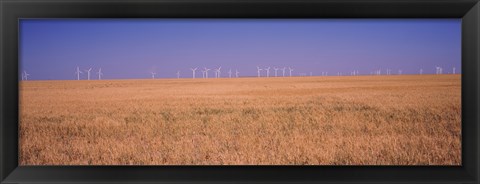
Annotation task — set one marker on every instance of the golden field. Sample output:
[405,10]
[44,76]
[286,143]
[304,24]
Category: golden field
[345,120]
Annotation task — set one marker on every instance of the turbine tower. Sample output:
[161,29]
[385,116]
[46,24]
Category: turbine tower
[275,68]
[258,71]
[236,73]
[25,75]
[453,70]
[206,72]
[100,74]
[78,72]
[268,71]
[193,72]
[217,72]
[230,73]
[153,75]
[290,69]
[421,71]
[178,74]
[439,70]
[88,73]
[283,71]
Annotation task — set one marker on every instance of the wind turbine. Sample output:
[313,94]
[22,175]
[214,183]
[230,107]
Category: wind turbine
[290,69]
[258,71]
[268,71]
[283,70]
[25,74]
[217,72]
[206,72]
[439,70]
[88,73]
[230,73]
[153,75]
[78,72]
[236,73]
[193,72]
[100,74]
[178,74]
[453,70]
[421,71]
[275,68]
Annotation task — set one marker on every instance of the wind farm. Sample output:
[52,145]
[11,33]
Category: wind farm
[240,92]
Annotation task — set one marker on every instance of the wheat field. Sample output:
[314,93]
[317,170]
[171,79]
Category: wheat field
[334,120]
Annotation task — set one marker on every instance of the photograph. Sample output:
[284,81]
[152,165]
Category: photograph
[199,91]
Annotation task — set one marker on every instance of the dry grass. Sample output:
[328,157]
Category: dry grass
[362,120]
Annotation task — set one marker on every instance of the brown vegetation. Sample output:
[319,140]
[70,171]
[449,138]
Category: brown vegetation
[358,120]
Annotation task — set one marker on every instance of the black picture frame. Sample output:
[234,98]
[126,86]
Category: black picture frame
[12,10]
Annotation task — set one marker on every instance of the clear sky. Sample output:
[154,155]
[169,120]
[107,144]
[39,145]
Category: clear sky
[132,48]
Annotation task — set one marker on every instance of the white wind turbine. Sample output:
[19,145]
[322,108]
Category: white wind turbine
[193,72]
[178,74]
[206,72]
[275,68]
[258,71]
[78,72]
[290,69]
[236,73]
[25,75]
[153,75]
[100,74]
[88,73]
[453,70]
[421,71]
[218,72]
[439,70]
[283,71]
[268,71]
[230,73]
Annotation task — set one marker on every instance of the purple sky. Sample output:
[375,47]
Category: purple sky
[132,48]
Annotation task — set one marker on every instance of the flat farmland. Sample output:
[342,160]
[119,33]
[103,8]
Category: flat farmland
[334,120]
